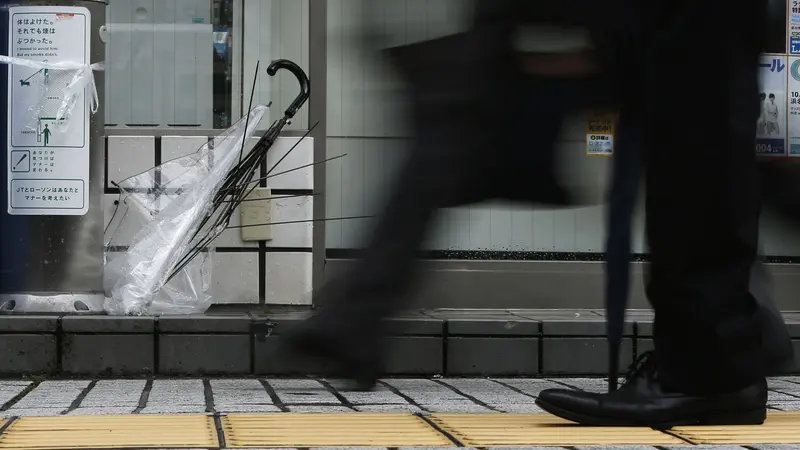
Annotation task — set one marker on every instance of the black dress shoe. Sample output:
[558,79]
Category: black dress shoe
[644,401]
[342,352]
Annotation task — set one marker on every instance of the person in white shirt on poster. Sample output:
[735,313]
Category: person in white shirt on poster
[761,125]
[771,116]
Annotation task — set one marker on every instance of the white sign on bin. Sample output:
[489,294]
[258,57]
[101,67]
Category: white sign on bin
[48,159]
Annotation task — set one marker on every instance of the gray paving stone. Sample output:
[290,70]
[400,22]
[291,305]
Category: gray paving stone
[177,393]
[456,407]
[245,408]
[173,409]
[774,446]
[528,448]
[239,392]
[781,397]
[781,385]
[101,411]
[786,406]
[10,389]
[620,447]
[587,384]
[32,412]
[705,447]
[52,394]
[529,386]
[380,396]
[114,393]
[425,391]
[489,392]
[302,392]
[521,408]
[318,409]
[348,448]
[791,379]
[389,408]
[436,448]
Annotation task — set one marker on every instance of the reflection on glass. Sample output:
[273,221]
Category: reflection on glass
[775,40]
[168,63]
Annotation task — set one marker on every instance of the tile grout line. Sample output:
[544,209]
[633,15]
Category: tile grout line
[469,397]
[676,435]
[400,394]
[208,394]
[273,395]
[24,392]
[517,390]
[77,402]
[9,421]
[144,397]
[221,441]
[344,401]
[440,430]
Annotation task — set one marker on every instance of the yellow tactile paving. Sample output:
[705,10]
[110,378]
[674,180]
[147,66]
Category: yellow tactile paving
[329,430]
[780,428]
[495,430]
[130,431]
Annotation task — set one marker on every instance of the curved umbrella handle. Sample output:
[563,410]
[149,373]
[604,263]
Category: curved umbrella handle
[302,78]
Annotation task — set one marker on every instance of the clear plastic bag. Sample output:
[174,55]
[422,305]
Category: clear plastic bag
[59,86]
[161,213]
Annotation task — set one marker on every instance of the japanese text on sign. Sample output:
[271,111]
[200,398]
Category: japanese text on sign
[48,162]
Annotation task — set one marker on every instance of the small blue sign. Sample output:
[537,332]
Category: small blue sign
[770,147]
[794,45]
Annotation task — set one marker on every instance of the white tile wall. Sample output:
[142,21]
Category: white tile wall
[129,156]
[235,277]
[235,274]
[301,155]
[288,278]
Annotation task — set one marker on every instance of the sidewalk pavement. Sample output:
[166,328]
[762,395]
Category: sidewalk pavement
[431,400]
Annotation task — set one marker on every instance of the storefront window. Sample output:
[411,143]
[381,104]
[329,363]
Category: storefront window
[169,64]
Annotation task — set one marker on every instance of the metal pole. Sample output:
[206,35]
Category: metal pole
[51,247]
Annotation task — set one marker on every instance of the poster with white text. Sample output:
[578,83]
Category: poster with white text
[771,124]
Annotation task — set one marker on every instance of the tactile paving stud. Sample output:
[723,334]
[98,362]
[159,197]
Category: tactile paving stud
[118,432]
[779,428]
[498,430]
[303,430]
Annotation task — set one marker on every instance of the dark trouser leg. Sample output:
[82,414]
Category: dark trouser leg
[702,215]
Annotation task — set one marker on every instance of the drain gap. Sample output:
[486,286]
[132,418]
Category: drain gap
[77,402]
[469,397]
[20,396]
[405,397]
[148,386]
[208,393]
[440,430]
[273,395]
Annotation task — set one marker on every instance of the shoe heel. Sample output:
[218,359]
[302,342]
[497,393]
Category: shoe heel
[748,417]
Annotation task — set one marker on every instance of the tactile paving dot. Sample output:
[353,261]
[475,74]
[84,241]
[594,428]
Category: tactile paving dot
[129,431]
[781,427]
[498,430]
[288,430]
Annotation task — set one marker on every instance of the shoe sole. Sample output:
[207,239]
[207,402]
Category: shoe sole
[747,417]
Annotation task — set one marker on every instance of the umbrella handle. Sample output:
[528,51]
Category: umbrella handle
[302,78]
